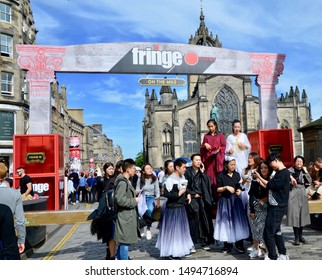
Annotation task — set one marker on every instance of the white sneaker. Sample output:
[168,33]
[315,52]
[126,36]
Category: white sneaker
[266,258]
[251,248]
[253,254]
[262,246]
[206,248]
[193,250]
[148,234]
[142,232]
[283,257]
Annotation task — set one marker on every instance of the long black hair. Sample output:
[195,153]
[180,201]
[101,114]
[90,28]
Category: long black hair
[144,176]
[107,165]
[215,123]
[166,164]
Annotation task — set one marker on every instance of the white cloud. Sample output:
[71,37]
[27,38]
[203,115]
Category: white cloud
[120,96]
[273,26]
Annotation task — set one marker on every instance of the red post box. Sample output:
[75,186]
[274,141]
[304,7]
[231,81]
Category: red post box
[42,157]
[273,140]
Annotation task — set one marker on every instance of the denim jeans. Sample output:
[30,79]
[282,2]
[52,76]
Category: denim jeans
[150,204]
[123,251]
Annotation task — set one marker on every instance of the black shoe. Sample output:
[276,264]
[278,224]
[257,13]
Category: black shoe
[240,249]
[227,247]
[174,258]
[302,240]
[296,243]
[226,250]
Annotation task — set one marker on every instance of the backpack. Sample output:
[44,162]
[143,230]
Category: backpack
[110,210]
[105,213]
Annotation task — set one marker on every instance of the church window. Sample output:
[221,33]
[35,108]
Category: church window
[189,137]
[166,140]
[228,108]
[285,124]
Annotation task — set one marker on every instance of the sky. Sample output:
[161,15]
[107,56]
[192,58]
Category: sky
[117,101]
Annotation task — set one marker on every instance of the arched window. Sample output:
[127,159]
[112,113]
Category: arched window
[189,137]
[285,124]
[166,140]
[228,107]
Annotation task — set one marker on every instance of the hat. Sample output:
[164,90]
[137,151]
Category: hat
[137,168]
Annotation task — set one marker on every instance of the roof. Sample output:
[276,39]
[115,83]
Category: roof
[317,124]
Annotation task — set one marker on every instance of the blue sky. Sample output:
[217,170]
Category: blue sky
[117,101]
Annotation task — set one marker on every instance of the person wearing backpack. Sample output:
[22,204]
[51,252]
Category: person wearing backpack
[127,223]
[103,224]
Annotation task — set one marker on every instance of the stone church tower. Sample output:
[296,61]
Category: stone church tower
[173,128]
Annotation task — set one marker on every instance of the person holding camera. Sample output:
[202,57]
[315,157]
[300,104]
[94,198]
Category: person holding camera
[278,195]
[258,209]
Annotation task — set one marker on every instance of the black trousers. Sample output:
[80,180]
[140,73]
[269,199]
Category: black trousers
[273,236]
[8,239]
[84,194]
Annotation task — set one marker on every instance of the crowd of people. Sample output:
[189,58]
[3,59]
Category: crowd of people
[228,194]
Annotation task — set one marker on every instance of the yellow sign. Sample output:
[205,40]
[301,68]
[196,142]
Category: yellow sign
[275,148]
[35,157]
[162,82]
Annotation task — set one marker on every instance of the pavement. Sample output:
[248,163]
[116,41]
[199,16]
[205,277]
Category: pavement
[75,242]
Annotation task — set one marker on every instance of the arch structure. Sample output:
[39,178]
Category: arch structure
[42,62]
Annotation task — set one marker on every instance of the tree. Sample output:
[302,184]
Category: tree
[139,159]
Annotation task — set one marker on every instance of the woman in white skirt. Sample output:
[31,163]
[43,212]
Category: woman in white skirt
[174,240]
[231,220]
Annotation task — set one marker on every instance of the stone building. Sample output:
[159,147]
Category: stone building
[312,137]
[16,27]
[94,144]
[173,128]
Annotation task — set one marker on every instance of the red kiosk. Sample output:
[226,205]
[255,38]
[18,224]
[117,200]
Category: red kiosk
[273,140]
[42,157]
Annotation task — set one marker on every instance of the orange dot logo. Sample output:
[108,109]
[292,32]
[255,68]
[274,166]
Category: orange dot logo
[191,58]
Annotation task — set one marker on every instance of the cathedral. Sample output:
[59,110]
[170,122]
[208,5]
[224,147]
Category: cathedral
[174,128]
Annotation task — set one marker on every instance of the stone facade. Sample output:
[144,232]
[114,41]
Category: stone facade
[70,122]
[16,27]
[174,128]
[312,137]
